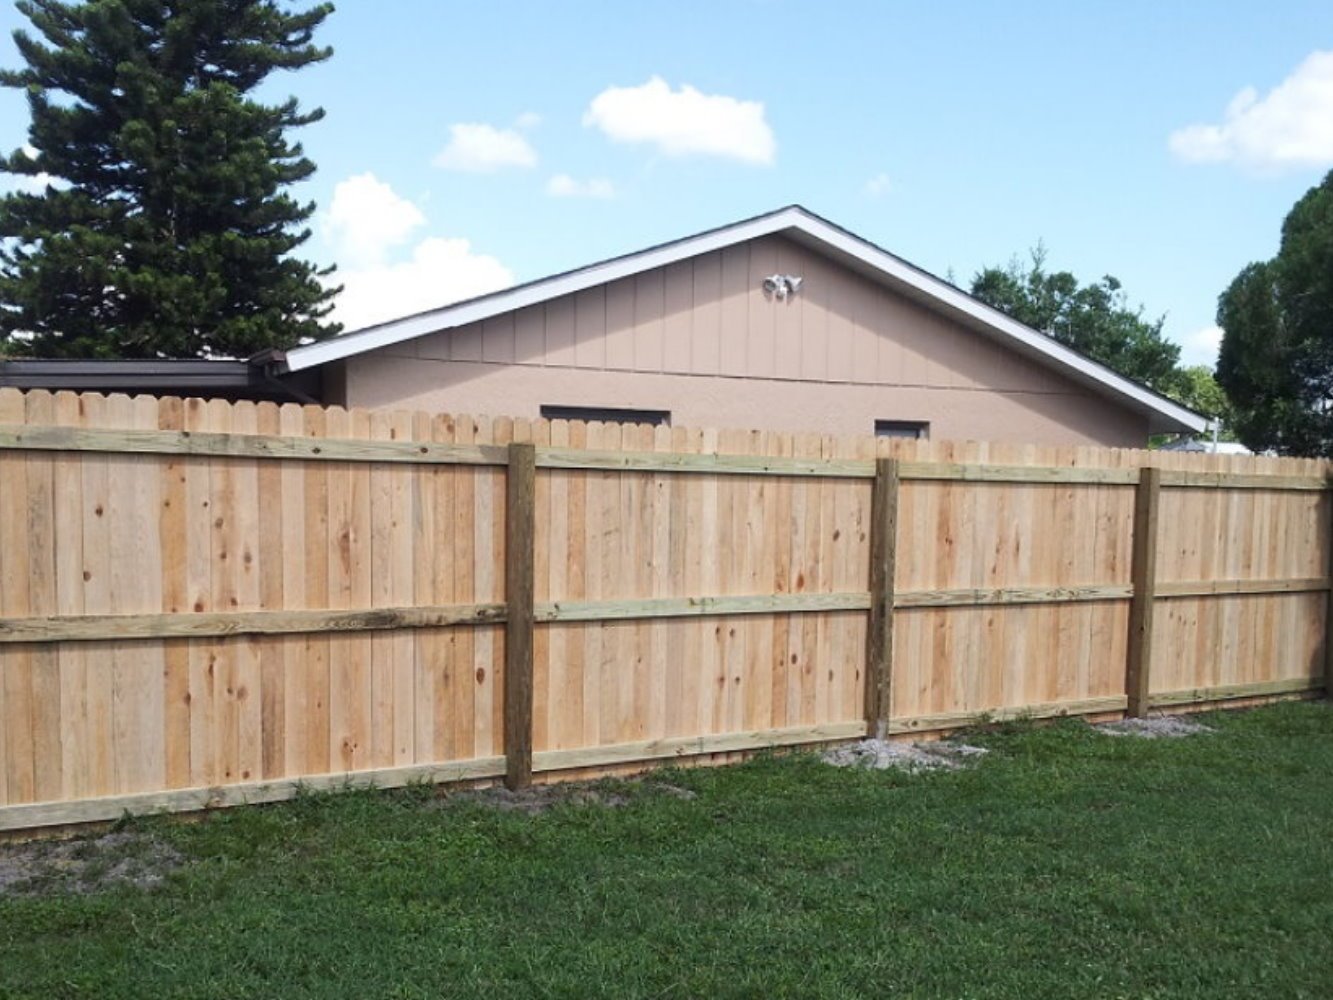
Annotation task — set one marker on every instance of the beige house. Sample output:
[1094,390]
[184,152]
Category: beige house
[783,322]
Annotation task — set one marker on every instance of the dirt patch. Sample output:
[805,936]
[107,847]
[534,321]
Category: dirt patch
[542,798]
[880,755]
[1156,727]
[86,865]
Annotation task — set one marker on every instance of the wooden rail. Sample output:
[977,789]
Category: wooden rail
[203,625]
[145,442]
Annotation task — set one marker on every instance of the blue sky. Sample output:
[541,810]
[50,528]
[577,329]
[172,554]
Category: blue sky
[472,144]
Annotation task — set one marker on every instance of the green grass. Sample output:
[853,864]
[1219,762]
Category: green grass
[1068,864]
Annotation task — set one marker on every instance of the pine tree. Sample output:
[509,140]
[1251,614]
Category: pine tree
[165,229]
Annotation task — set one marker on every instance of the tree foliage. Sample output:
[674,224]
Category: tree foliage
[1276,361]
[1094,319]
[1195,386]
[167,228]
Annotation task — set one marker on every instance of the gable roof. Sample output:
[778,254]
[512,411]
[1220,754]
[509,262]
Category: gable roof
[804,227]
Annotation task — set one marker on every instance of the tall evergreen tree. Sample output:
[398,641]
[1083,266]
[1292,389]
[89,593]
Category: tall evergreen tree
[166,228]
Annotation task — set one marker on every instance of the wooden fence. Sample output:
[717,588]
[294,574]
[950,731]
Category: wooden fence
[205,603]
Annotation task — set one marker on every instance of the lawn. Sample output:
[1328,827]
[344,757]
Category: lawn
[1067,863]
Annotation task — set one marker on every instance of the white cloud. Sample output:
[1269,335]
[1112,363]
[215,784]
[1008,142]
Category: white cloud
[684,122]
[366,219]
[879,185]
[483,149]
[1291,126]
[365,223]
[439,272]
[564,186]
[1201,346]
[527,120]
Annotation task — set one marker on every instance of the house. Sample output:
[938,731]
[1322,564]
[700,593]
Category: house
[781,322]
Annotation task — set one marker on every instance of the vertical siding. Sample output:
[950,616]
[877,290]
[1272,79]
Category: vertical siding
[709,316]
[678,315]
[735,311]
[591,337]
[706,325]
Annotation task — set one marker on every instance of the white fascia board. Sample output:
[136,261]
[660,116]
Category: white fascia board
[940,294]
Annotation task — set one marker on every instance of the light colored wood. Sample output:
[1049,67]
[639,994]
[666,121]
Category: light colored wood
[1177,479]
[47,745]
[75,729]
[173,540]
[241,445]
[1233,692]
[186,800]
[1051,710]
[272,689]
[1138,670]
[554,760]
[684,607]
[293,566]
[15,670]
[518,707]
[1209,588]
[682,602]
[984,473]
[103,628]
[317,648]
[719,464]
[970,597]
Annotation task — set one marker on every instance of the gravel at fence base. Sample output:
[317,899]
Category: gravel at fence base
[880,755]
[1155,728]
[86,865]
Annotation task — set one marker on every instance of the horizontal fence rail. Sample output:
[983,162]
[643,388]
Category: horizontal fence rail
[119,628]
[206,604]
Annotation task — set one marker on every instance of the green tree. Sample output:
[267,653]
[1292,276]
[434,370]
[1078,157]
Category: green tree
[1094,319]
[1196,387]
[1276,361]
[167,229]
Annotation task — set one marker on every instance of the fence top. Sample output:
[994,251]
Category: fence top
[67,421]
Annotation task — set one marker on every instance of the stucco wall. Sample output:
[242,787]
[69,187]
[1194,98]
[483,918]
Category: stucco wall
[702,340]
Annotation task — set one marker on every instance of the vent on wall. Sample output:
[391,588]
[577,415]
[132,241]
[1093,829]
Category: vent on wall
[919,429]
[608,415]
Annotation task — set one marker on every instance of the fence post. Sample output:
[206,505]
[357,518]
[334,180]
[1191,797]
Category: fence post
[520,525]
[1328,606]
[1143,572]
[879,634]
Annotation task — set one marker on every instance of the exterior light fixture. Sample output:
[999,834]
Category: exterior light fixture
[781,285]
